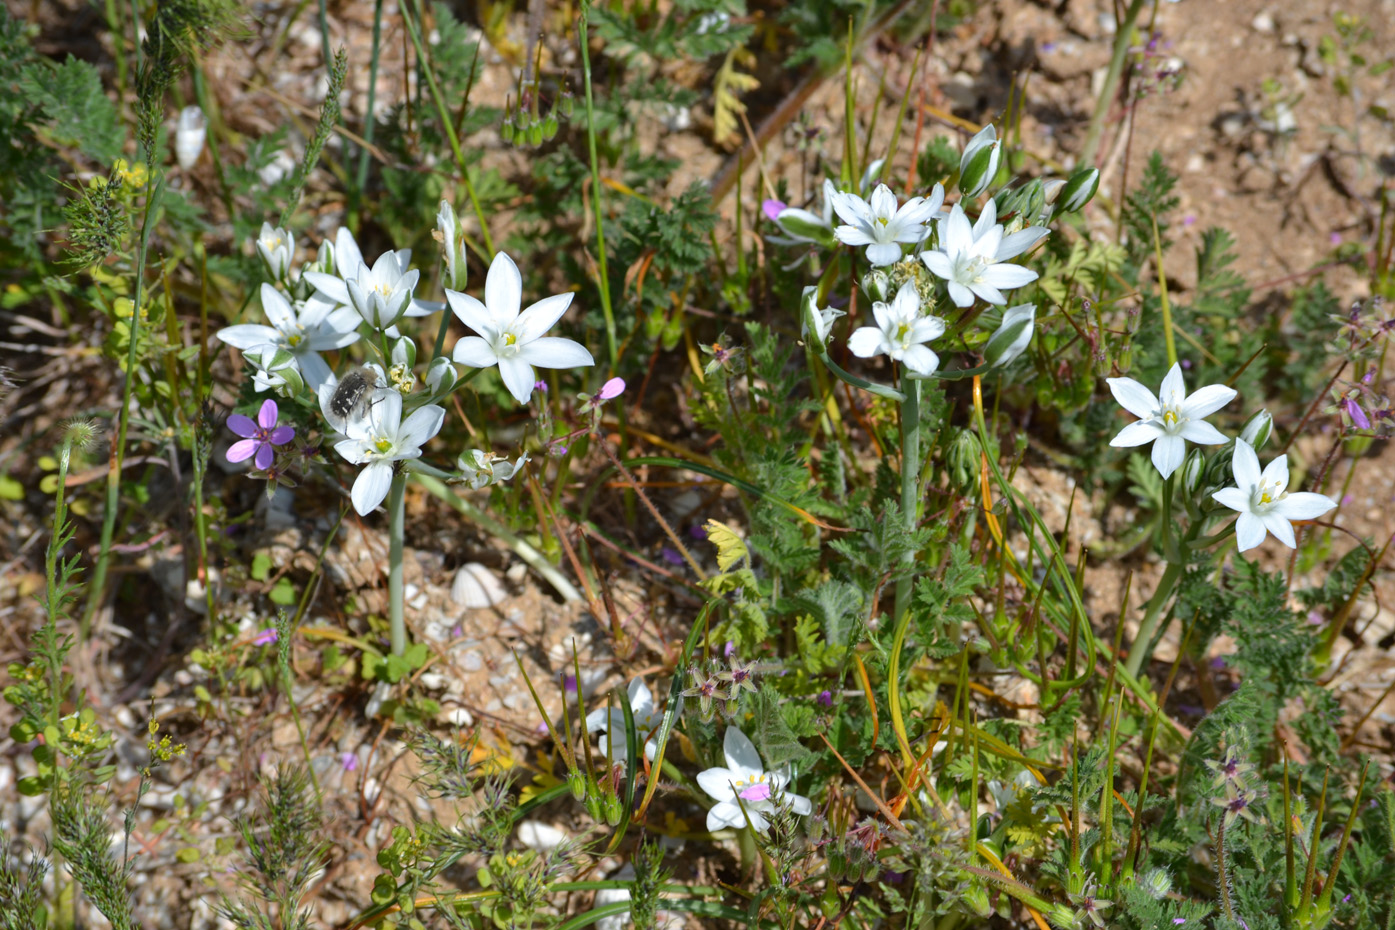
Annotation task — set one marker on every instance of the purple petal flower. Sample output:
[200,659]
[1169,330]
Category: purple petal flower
[698,531]
[772,209]
[729,650]
[258,436]
[826,698]
[266,637]
[1358,416]
[349,761]
[671,555]
[612,388]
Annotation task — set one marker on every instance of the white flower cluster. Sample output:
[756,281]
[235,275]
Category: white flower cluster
[1172,417]
[378,416]
[972,259]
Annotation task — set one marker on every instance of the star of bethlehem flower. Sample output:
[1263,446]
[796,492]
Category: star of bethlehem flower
[1263,501]
[881,226]
[380,293]
[900,332]
[1169,419]
[800,225]
[276,247]
[972,259]
[608,720]
[381,437]
[305,330]
[745,777]
[258,437]
[814,318]
[512,340]
[480,469]
[271,365]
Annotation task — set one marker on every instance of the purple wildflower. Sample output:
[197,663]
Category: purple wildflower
[267,636]
[826,698]
[259,436]
[671,555]
[611,389]
[772,209]
[1358,416]
[349,761]
[729,650]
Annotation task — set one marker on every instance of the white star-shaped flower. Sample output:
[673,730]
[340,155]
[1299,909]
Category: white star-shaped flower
[1263,501]
[380,439]
[900,332]
[745,777]
[612,720]
[881,226]
[305,330]
[512,340]
[1169,419]
[973,259]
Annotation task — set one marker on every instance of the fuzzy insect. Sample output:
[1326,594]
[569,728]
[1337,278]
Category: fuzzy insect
[351,395]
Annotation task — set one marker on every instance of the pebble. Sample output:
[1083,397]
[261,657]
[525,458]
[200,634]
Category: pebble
[1263,22]
[540,836]
[475,587]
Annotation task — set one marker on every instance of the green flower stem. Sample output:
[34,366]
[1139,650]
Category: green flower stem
[1123,38]
[396,513]
[409,14]
[910,493]
[118,449]
[603,277]
[1176,565]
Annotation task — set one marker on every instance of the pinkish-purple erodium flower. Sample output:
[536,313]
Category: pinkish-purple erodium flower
[611,389]
[729,649]
[267,636]
[1357,415]
[349,761]
[772,209]
[258,436]
[540,387]
[826,698]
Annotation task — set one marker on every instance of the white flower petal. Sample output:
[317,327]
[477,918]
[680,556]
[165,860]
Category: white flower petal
[1276,474]
[1168,453]
[370,487]
[1199,431]
[503,290]
[717,783]
[1234,498]
[851,235]
[1245,466]
[1207,400]
[1303,505]
[475,352]
[1133,397]
[1249,531]
[1174,390]
[518,377]
[1137,433]
[883,253]
[921,359]
[866,341]
[939,264]
[540,317]
[421,425]
[249,335]
[555,352]
[741,754]
[327,284]
[1281,528]
[725,814]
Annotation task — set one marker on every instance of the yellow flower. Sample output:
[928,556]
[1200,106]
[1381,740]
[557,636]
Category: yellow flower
[133,177]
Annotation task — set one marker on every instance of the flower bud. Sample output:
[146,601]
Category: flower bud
[189,133]
[452,254]
[612,808]
[1079,190]
[1192,468]
[276,248]
[814,320]
[805,227]
[535,134]
[1157,883]
[979,164]
[324,258]
[1052,189]
[1012,337]
[876,285]
[1257,429]
[976,897]
[870,176]
[549,126]
[440,376]
[577,783]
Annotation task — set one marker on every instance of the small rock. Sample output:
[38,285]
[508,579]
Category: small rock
[540,836]
[1263,22]
[476,587]
[460,717]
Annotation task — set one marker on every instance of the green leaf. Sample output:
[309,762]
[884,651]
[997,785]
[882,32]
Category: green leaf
[70,96]
[283,594]
[261,566]
[189,854]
